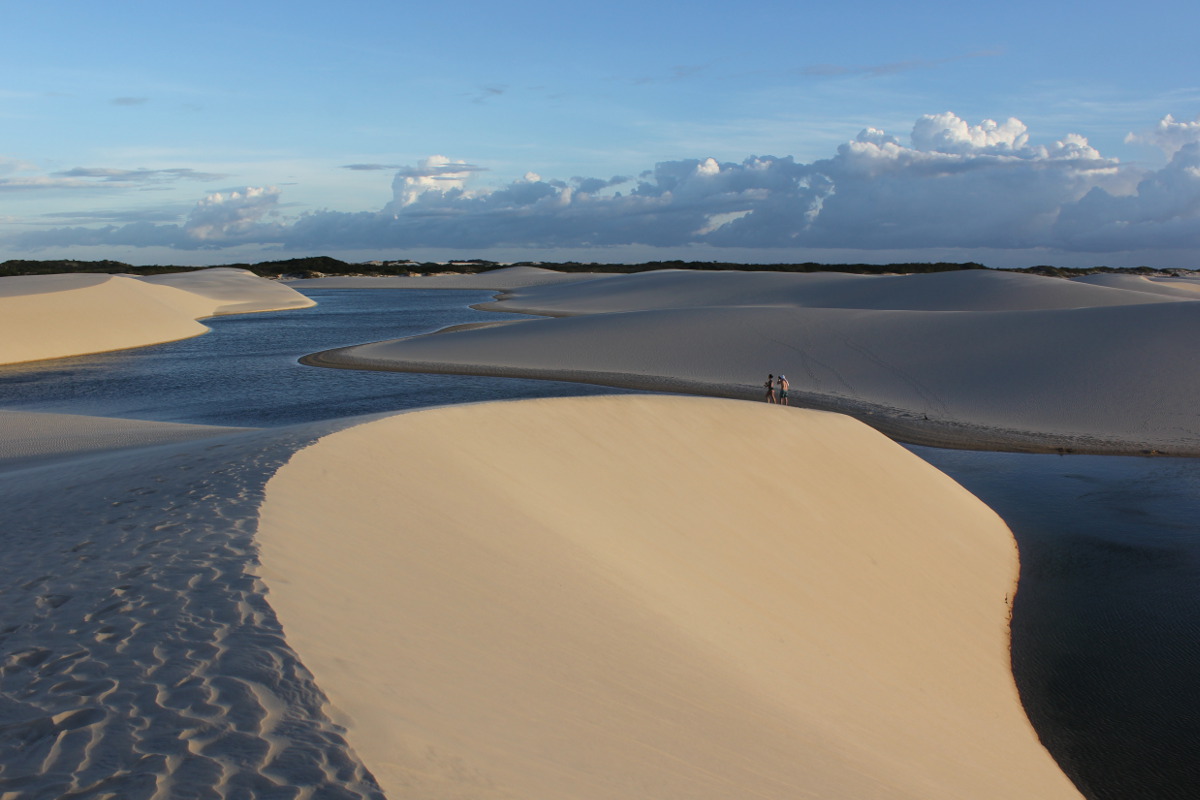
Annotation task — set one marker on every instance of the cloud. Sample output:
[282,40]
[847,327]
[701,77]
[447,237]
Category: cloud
[488,92]
[96,177]
[138,176]
[221,219]
[129,101]
[371,167]
[436,176]
[231,217]
[679,72]
[1164,210]
[1169,135]
[949,184]
[10,165]
[124,216]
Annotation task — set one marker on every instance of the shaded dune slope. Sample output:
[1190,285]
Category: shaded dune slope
[968,290]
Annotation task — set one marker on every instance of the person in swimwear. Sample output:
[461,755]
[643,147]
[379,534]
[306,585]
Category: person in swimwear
[783,390]
[770,385]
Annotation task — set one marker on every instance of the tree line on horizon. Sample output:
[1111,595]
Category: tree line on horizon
[316,266]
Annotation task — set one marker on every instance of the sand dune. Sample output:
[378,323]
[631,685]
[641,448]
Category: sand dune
[233,291]
[968,290]
[1018,365]
[1178,288]
[651,597]
[54,316]
[502,279]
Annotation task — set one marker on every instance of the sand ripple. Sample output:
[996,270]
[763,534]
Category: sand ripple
[138,657]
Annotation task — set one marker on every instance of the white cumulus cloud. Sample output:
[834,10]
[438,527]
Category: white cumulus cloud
[436,175]
[947,133]
[1169,135]
[230,216]
[948,184]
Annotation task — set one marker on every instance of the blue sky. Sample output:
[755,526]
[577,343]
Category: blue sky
[162,133]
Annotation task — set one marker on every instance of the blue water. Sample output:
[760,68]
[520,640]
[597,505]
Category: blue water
[245,371]
[1106,624]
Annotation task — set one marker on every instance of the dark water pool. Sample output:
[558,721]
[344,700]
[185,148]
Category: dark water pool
[1106,624]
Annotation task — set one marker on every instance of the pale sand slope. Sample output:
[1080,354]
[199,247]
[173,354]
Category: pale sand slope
[138,656]
[54,316]
[234,291]
[1112,377]
[504,279]
[647,596]
[967,290]
[1178,288]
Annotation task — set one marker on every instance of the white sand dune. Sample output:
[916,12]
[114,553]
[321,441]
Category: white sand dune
[1021,362]
[503,279]
[55,316]
[648,596]
[233,291]
[1178,288]
[967,290]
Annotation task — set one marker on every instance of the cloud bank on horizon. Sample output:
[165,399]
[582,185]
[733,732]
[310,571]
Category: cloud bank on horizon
[951,185]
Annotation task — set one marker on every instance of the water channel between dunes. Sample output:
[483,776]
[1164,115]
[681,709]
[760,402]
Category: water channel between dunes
[1106,626]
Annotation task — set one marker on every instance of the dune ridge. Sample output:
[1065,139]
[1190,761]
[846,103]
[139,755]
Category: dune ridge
[56,316]
[651,596]
[966,290]
[503,279]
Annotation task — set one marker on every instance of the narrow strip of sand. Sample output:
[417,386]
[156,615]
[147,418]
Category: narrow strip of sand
[650,596]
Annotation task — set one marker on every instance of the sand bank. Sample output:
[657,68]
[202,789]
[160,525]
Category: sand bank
[966,359]
[649,597]
[55,316]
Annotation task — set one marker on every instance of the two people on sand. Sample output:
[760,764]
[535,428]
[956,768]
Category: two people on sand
[780,384]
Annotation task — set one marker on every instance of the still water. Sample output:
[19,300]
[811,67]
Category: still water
[1106,624]
[245,372]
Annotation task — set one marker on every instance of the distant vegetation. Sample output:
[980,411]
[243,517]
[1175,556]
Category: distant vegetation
[317,266]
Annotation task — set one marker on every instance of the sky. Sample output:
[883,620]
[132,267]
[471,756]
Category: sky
[1011,134]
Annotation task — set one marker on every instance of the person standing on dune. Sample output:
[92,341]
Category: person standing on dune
[783,390]
[770,386]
